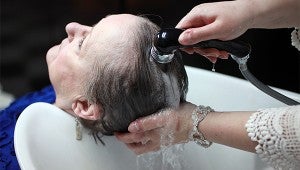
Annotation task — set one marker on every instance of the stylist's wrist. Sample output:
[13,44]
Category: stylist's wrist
[185,124]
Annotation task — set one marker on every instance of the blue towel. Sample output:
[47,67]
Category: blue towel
[8,119]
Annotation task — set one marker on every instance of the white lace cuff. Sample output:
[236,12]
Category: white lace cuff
[295,36]
[277,131]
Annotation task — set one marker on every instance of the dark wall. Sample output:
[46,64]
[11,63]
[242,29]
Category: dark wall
[30,28]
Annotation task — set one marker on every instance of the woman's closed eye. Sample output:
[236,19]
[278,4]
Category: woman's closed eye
[81,42]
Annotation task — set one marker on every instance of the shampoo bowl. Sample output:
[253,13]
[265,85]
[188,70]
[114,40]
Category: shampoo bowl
[45,135]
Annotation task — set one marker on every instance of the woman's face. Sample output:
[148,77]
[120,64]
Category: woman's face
[69,62]
[64,60]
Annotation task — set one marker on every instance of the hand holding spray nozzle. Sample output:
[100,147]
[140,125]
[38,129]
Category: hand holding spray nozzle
[166,43]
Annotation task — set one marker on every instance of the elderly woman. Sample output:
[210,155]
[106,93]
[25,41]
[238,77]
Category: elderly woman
[105,77]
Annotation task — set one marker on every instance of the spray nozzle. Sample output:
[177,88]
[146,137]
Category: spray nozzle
[166,43]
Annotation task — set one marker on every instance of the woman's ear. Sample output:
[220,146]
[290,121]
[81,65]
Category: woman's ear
[82,108]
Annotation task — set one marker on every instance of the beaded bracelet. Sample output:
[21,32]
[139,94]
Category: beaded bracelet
[197,116]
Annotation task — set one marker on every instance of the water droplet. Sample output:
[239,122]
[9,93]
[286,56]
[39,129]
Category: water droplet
[213,68]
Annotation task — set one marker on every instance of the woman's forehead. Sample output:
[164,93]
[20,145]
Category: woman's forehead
[112,28]
[120,18]
[116,23]
[110,37]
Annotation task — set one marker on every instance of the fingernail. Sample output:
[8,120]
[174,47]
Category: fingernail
[133,127]
[212,59]
[223,57]
[185,37]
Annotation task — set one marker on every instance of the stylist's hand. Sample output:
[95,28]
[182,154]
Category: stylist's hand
[171,126]
[221,20]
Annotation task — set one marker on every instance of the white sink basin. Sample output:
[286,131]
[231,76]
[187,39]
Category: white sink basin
[45,135]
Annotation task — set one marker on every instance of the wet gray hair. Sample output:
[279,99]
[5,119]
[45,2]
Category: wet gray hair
[127,90]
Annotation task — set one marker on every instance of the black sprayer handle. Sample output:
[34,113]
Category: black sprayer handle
[167,41]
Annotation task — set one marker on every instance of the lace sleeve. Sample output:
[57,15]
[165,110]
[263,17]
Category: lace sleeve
[277,131]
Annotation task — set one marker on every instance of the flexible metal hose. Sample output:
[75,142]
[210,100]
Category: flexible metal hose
[266,89]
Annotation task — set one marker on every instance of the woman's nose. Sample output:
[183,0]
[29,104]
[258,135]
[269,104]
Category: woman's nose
[74,29]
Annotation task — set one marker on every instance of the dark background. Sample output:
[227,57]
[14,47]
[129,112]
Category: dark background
[29,28]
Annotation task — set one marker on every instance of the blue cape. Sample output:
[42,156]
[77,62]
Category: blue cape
[8,119]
